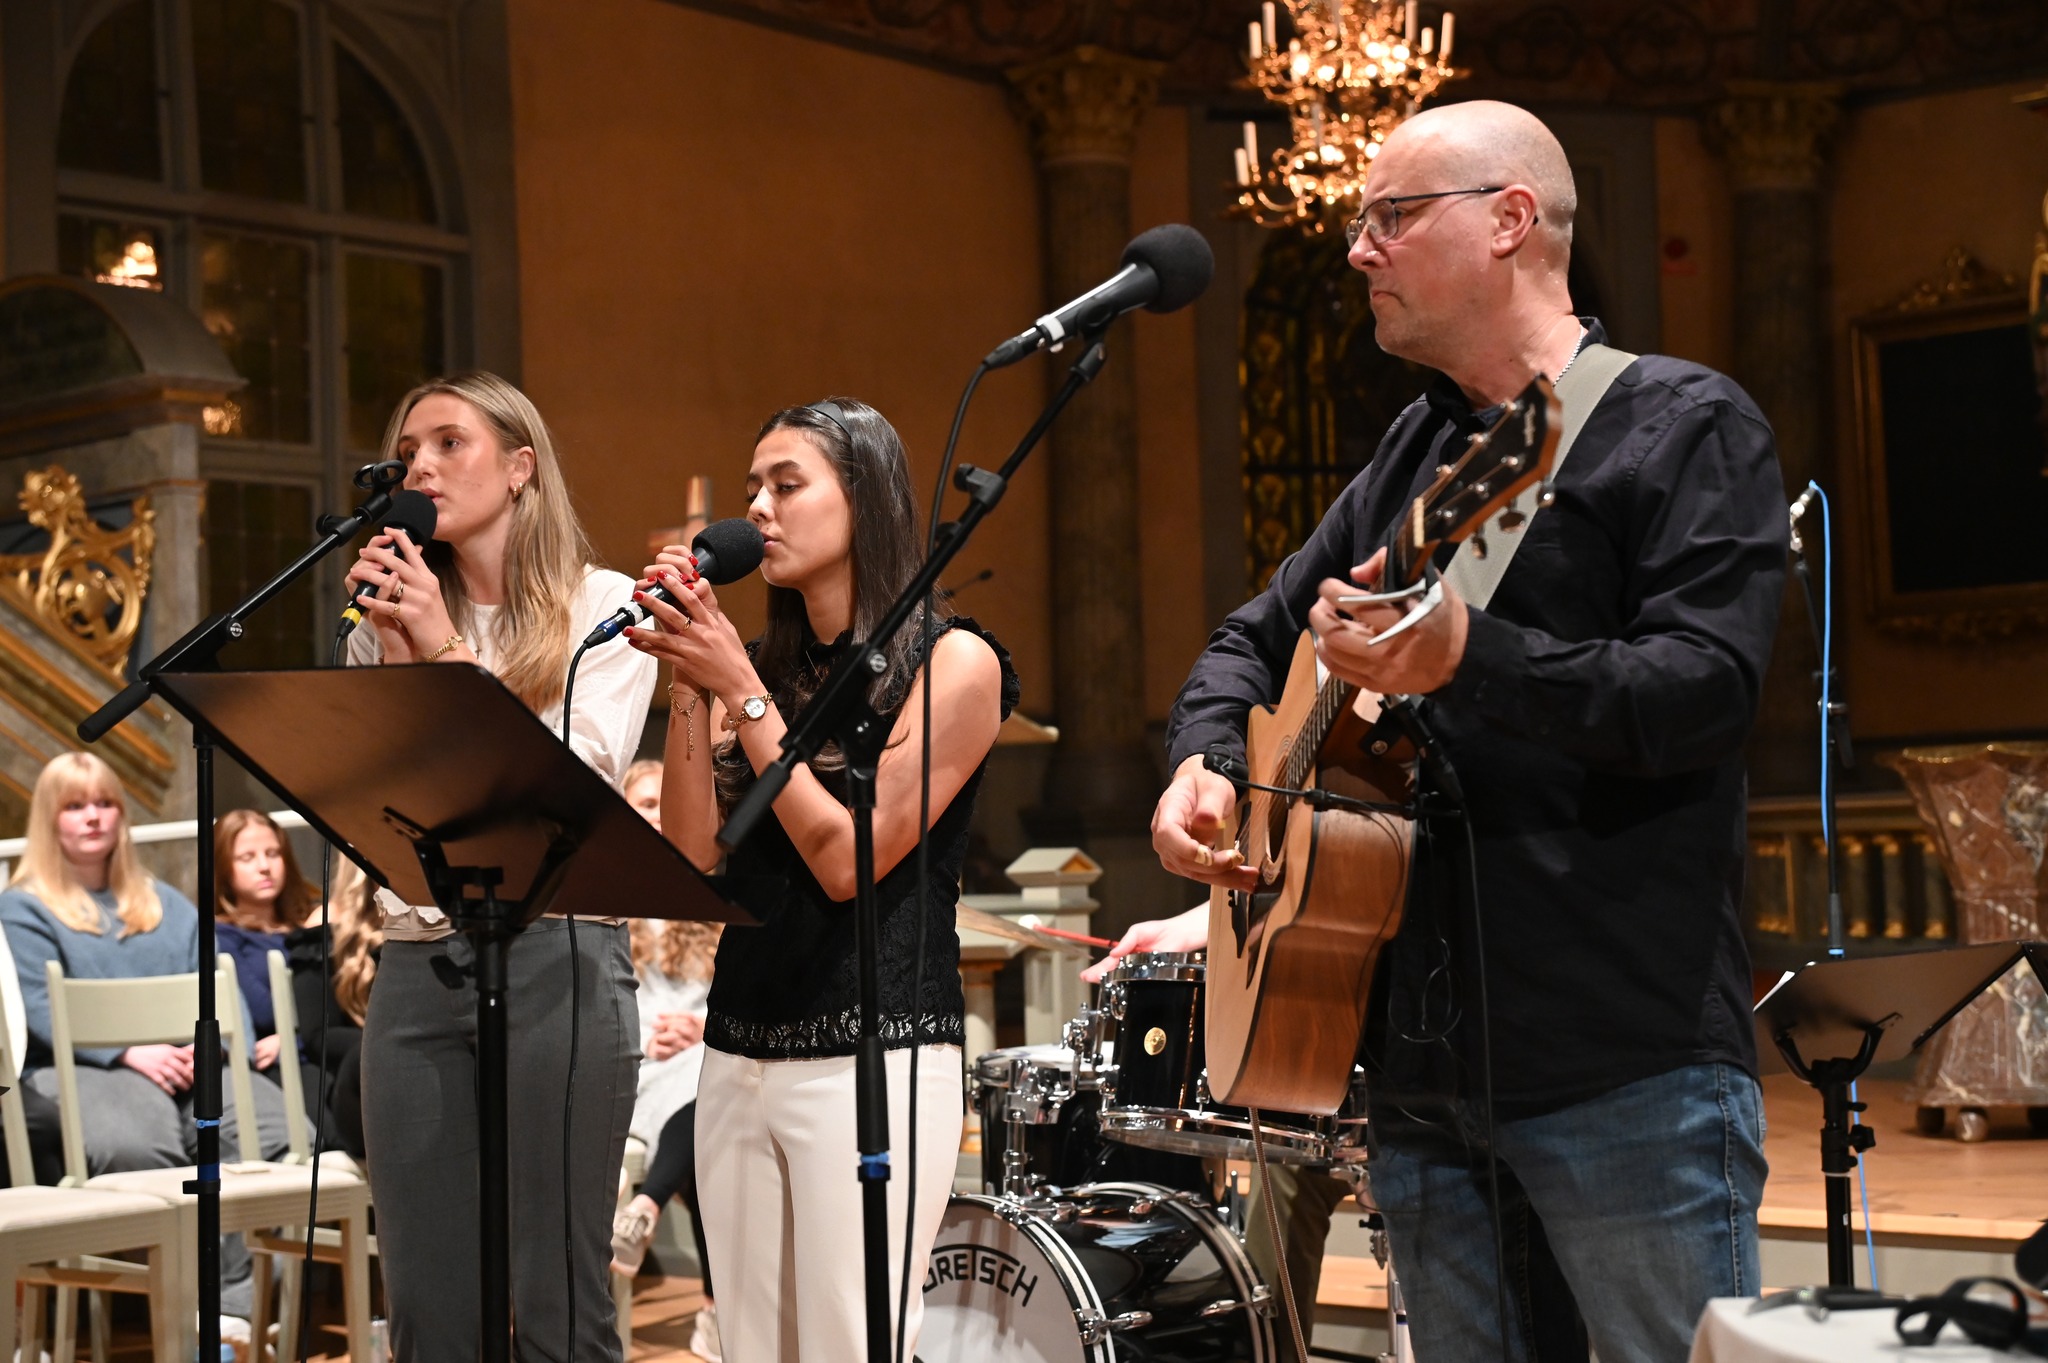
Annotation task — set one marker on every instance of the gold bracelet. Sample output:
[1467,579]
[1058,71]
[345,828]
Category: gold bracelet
[689,714]
[454,641]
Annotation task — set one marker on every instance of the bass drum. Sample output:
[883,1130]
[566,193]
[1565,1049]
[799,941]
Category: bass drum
[1112,1271]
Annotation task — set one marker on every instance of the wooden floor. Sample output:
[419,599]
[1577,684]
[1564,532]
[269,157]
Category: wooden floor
[1923,1190]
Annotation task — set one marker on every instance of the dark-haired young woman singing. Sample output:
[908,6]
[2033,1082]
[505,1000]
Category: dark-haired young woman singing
[829,487]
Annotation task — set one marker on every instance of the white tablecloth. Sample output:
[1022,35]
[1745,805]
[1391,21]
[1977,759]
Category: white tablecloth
[1786,1334]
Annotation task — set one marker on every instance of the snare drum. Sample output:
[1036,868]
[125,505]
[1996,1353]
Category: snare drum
[1109,1271]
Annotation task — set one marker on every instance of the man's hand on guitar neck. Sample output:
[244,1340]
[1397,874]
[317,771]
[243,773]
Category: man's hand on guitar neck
[1413,663]
[1194,811]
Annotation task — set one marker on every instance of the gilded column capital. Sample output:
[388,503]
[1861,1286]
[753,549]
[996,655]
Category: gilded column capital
[1775,134]
[1084,105]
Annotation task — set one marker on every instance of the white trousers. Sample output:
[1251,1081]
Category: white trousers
[777,1179]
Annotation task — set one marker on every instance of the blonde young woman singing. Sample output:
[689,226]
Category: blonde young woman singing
[508,584]
[776,1156]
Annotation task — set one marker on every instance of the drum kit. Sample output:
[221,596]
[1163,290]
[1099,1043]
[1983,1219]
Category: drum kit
[1095,1237]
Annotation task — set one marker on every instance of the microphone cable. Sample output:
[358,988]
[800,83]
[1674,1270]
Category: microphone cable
[924,819]
[575,1039]
[334,659]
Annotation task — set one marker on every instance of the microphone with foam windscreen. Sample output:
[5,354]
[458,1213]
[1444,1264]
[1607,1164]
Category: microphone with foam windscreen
[1164,270]
[726,551]
[415,514]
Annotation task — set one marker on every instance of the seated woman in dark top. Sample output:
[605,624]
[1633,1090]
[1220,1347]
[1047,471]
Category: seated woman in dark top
[829,488]
[258,897]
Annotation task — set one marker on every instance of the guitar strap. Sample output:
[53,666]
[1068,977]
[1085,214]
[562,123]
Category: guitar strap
[1585,381]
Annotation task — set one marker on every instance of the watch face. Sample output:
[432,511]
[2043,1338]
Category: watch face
[754,707]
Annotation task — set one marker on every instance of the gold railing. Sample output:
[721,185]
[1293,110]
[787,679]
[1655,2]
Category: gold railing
[1893,885]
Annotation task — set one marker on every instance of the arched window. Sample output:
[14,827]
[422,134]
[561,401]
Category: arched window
[247,157]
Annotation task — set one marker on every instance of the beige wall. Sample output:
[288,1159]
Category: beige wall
[717,220]
[1911,180]
[1695,292]
[1169,450]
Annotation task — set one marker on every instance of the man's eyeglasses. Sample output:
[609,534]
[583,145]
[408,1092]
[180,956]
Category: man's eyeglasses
[1381,219]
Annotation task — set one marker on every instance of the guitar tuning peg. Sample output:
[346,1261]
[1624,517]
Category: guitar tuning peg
[1547,498]
[1511,520]
[1478,544]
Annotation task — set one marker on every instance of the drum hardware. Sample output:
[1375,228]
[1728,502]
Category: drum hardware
[1401,1348]
[1095,1327]
[1261,1303]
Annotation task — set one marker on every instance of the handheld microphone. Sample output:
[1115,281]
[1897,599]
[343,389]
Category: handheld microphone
[726,552]
[1164,270]
[415,514]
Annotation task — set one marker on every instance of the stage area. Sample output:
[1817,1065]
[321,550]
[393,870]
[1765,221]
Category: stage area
[1940,1210]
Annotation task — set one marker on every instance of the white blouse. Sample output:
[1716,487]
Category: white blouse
[614,687]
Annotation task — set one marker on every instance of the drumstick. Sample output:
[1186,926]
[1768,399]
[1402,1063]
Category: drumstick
[1081,937]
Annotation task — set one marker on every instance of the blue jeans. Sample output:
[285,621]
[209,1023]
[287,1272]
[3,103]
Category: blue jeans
[1647,1197]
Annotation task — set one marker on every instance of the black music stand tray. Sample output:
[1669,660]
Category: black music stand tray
[1830,1020]
[447,790]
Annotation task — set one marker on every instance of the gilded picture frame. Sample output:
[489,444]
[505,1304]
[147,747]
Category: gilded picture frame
[1951,432]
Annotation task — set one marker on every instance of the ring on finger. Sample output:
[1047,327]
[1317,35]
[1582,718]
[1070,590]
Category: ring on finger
[391,607]
[1204,856]
[397,592]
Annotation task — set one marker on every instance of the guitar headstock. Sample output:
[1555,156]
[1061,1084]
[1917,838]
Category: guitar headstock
[1498,465]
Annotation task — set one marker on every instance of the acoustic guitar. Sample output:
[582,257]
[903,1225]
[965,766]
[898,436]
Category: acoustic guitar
[1291,962]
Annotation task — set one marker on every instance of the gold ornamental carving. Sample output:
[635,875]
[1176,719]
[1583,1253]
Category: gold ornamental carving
[1775,134]
[1963,279]
[87,587]
[1085,105]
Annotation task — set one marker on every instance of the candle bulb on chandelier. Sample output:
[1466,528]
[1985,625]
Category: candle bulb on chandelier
[1244,167]
[1258,48]
[1446,54]
[1251,145]
[1411,23]
[1428,40]
[1268,22]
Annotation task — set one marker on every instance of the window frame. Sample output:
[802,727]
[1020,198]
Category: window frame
[183,210]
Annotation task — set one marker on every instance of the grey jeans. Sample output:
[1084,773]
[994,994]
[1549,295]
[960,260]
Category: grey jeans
[420,1123]
[130,1123]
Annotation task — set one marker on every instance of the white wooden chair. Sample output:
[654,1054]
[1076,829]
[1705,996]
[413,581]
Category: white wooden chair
[288,1245]
[255,1195]
[49,1237]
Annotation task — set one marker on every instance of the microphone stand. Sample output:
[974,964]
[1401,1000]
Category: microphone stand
[1842,1138]
[840,710]
[199,651]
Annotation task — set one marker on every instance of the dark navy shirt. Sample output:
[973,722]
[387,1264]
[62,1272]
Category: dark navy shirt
[1596,724]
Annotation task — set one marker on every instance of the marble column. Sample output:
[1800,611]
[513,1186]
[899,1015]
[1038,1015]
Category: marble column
[1083,109]
[1774,136]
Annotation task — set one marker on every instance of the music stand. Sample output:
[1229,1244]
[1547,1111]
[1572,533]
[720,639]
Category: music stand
[1830,1020]
[447,790]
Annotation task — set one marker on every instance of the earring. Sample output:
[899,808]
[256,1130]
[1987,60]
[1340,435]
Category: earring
[517,488]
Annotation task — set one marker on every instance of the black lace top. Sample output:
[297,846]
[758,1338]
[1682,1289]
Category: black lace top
[786,989]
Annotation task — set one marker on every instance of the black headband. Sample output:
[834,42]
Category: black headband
[833,413]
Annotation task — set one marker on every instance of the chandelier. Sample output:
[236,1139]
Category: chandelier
[1350,73]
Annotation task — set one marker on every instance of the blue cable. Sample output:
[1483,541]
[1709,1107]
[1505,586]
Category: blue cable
[1827,686]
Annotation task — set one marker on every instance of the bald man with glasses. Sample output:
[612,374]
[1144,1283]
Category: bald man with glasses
[1594,710]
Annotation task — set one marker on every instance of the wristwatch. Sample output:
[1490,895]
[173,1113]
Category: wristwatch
[752,708]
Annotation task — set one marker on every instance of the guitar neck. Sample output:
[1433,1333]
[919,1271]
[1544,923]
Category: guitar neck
[1332,698]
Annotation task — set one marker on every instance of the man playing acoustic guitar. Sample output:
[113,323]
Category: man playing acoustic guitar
[1593,713]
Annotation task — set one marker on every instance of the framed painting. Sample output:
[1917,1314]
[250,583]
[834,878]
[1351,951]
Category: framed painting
[1952,454]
